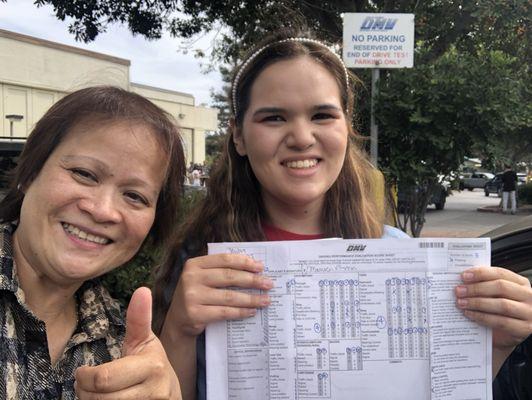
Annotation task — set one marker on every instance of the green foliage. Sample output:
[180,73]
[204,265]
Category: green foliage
[138,272]
[433,115]
[123,281]
[524,194]
[214,144]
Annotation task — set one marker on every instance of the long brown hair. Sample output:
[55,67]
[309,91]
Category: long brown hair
[233,209]
[99,106]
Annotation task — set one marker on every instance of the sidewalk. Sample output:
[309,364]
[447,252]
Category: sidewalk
[469,214]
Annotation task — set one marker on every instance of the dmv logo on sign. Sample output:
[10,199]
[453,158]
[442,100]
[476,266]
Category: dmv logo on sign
[378,40]
[378,24]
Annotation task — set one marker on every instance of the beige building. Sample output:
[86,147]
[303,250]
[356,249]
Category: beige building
[35,73]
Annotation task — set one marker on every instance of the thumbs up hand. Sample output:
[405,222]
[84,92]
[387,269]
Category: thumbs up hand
[143,372]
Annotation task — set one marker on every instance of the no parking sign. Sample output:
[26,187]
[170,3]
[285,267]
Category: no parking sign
[378,40]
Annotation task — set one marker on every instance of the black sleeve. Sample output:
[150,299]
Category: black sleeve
[201,370]
[514,380]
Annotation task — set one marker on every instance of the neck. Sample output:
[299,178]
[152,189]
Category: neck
[48,300]
[302,219]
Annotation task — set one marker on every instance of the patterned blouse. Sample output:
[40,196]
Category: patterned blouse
[25,366]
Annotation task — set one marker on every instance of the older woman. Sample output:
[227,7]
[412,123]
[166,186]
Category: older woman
[100,171]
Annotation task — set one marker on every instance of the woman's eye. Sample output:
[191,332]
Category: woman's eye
[136,198]
[84,174]
[322,116]
[273,118]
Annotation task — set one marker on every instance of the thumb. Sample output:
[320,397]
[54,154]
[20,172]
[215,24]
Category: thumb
[138,322]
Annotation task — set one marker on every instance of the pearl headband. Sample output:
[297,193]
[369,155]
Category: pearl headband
[256,53]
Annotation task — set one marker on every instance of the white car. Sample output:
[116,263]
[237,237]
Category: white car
[476,180]
[521,178]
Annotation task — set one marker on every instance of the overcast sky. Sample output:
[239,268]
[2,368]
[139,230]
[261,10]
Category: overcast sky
[158,63]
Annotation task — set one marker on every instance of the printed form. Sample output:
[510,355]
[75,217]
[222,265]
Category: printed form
[366,319]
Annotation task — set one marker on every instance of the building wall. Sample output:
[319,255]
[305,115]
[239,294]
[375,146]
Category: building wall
[193,121]
[29,102]
[35,73]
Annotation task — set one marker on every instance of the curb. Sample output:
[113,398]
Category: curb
[526,210]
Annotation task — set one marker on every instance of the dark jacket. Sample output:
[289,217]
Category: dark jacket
[509,179]
[514,381]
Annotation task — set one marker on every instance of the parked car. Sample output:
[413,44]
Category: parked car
[494,186]
[475,180]
[438,198]
[521,178]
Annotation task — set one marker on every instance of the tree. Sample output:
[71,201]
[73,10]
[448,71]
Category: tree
[214,143]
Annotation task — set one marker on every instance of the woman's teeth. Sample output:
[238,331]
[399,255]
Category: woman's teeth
[301,164]
[75,231]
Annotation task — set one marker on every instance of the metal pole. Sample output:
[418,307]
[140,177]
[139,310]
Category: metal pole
[374,131]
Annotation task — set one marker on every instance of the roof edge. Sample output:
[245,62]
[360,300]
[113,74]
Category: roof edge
[58,46]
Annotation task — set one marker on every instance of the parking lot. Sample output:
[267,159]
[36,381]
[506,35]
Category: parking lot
[461,217]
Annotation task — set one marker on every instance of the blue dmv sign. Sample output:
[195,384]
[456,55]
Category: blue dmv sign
[378,24]
[378,40]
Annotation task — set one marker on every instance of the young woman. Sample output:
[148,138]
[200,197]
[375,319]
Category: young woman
[291,169]
[100,171]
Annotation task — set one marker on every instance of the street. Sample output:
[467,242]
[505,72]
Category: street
[460,217]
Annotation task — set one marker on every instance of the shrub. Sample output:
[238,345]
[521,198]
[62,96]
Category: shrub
[524,194]
[123,281]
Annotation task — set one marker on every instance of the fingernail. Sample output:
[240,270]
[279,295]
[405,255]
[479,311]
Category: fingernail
[461,290]
[467,276]
[259,266]
[266,283]
[265,301]
[252,312]
[462,303]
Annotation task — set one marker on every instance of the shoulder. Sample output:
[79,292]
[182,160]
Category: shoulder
[389,232]
[6,237]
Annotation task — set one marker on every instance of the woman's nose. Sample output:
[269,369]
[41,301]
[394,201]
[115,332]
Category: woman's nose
[300,135]
[102,205]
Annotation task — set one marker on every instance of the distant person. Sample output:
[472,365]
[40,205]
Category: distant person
[196,174]
[509,180]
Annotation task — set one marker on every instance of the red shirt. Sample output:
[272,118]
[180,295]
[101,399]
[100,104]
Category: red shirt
[275,234]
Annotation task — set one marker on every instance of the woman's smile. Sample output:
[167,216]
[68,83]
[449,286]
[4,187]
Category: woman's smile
[84,235]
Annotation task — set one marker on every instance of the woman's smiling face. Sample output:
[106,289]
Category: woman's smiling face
[294,132]
[93,203]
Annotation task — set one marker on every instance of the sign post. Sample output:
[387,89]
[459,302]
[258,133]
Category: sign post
[378,41]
